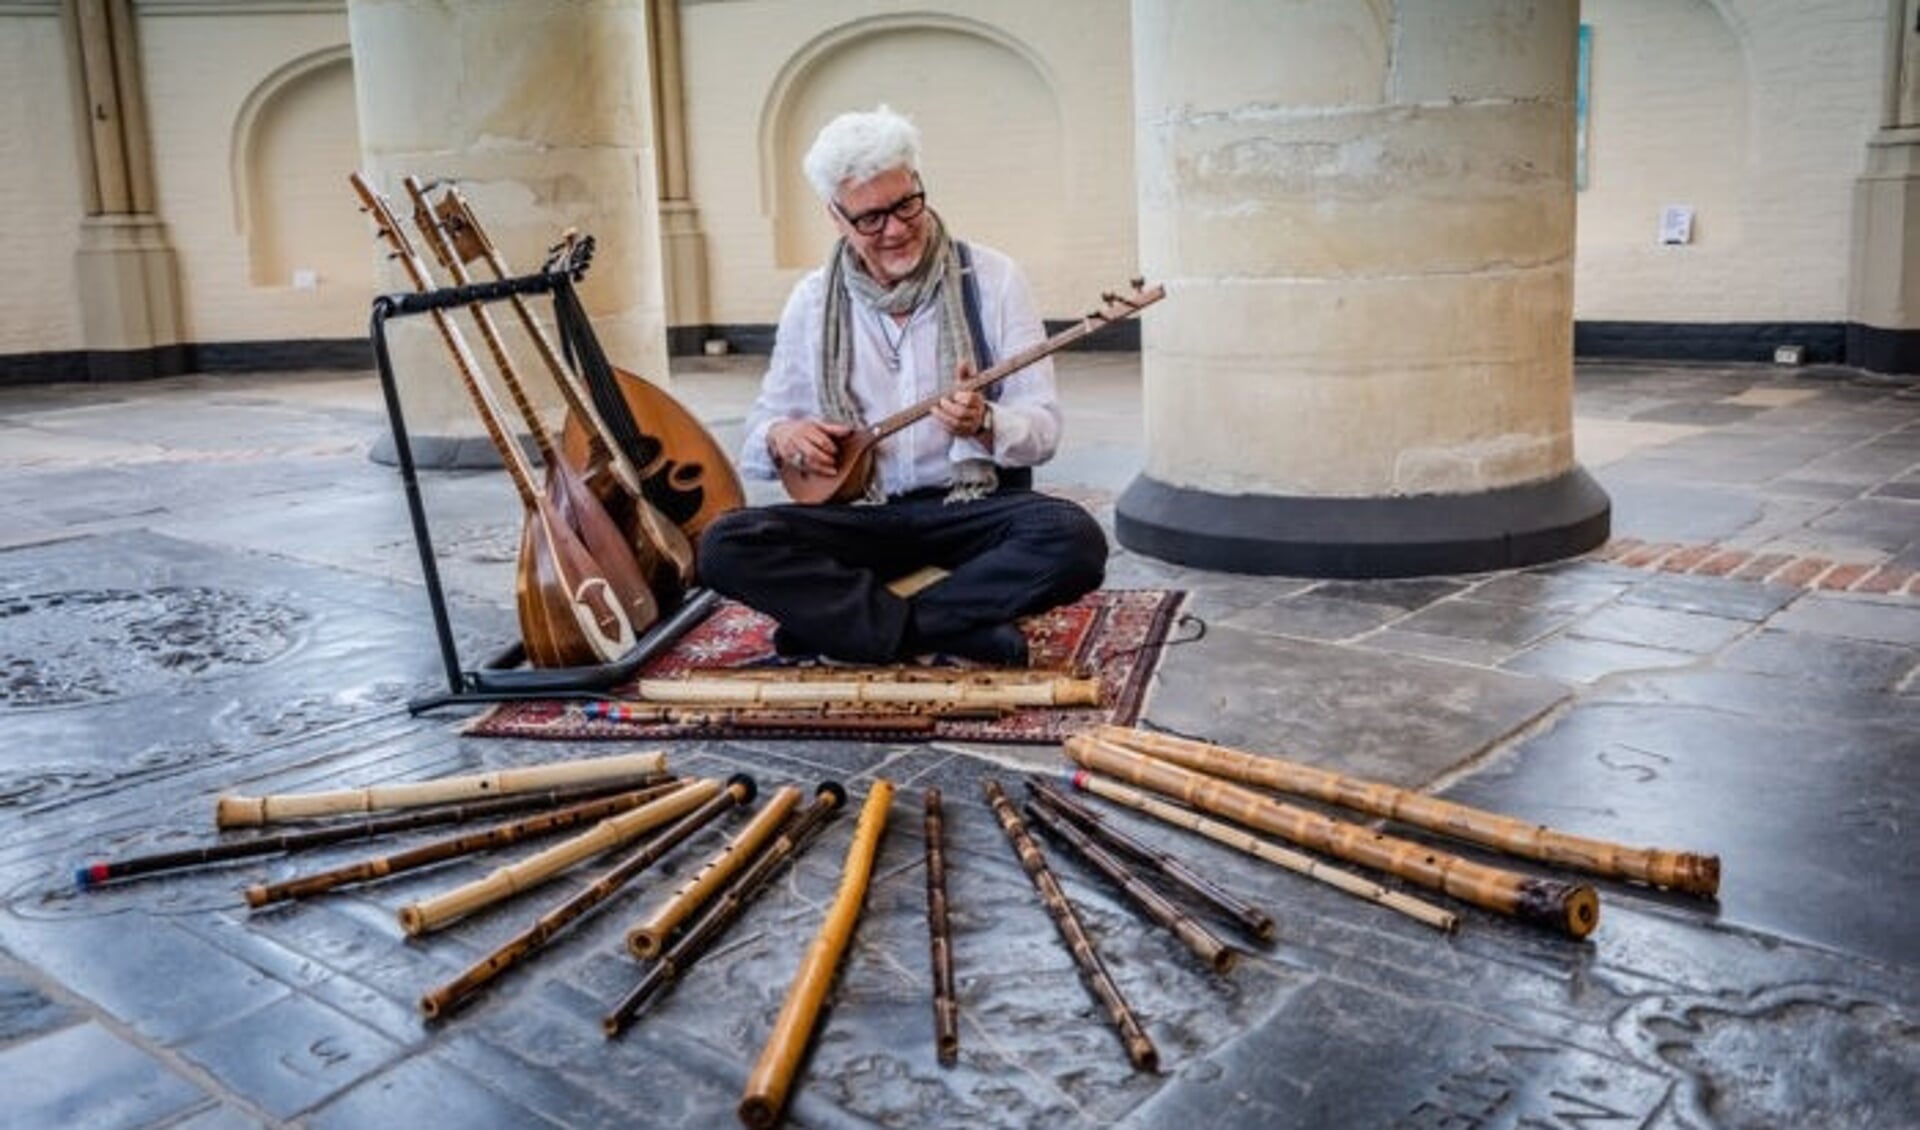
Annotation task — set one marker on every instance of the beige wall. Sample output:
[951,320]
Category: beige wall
[40,191]
[253,131]
[1755,113]
[1025,112]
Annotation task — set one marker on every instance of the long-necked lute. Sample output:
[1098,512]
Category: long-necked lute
[854,455]
[581,597]
[663,553]
[682,470]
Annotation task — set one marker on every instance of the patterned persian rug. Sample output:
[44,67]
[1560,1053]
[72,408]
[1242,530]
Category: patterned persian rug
[1115,635]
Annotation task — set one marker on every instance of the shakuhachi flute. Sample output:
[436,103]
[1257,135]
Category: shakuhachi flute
[436,1002]
[646,939]
[106,871]
[239,811]
[1571,908]
[1093,972]
[815,692]
[946,1004]
[1210,948]
[487,839]
[1256,922]
[690,945]
[1438,917]
[505,882]
[772,1075]
[1659,867]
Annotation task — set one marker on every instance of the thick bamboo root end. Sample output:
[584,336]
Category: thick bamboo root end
[1573,909]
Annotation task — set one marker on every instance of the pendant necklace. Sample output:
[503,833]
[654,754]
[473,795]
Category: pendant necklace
[895,344]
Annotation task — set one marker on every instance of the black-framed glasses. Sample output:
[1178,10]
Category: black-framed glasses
[874,220]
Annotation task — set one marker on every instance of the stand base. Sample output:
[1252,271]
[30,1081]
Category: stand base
[1365,537]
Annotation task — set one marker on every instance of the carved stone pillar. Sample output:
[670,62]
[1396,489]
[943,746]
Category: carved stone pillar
[541,110]
[1364,215]
[128,280]
[1883,331]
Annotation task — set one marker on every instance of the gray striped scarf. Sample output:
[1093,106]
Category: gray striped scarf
[937,278]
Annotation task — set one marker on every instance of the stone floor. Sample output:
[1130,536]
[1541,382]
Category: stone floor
[205,586]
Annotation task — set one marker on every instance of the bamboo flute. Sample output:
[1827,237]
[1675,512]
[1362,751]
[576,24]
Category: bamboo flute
[436,1002]
[772,1076]
[106,871]
[691,944]
[487,839]
[1573,909]
[233,811]
[1093,972]
[1256,922]
[650,936]
[1212,951]
[1438,917]
[505,882]
[1660,867]
[816,692]
[946,1003]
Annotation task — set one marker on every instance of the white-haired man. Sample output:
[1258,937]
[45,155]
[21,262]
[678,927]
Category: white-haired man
[900,311]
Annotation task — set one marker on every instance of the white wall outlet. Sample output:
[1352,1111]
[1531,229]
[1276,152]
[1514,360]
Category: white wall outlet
[1676,224]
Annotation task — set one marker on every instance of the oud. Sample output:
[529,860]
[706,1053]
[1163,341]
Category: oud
[846,480]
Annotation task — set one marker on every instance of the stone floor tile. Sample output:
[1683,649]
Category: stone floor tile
[86,1076]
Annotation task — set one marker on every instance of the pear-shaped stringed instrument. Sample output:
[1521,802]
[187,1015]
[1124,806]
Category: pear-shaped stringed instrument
[846,480]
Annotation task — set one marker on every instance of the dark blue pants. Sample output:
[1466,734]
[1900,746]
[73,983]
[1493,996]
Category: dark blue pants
[822,571]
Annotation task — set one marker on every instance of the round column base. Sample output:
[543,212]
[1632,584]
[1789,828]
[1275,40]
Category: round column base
[1418,535]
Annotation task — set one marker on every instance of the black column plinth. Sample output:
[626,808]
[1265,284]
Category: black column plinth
[1411,536]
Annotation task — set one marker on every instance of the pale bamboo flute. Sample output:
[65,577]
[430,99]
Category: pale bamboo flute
[690,945]
[435,1003]
[1659,867]
[1573,909]
[505,882]
[772,1076]
[234,811]
[649,937]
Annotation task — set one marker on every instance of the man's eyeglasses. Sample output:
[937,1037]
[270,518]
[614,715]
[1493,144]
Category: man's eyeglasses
[874,220]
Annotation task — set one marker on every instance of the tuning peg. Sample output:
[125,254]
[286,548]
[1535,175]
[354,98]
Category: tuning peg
[1139,282]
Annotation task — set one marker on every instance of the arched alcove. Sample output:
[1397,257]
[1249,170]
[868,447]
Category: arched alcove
[1670,123]
[295,140]
[988,114]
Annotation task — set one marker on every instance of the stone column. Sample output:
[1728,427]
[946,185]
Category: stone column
[129,283]
[541,110]
[1883,328]
[683,242]
[1364,215]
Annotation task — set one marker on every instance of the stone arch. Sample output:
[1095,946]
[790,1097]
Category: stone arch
[1672,121]
[989,113]
[295,138]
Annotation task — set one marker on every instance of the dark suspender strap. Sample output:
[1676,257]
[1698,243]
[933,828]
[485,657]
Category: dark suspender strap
[1011,478]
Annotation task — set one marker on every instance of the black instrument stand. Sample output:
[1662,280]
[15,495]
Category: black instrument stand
[501,678]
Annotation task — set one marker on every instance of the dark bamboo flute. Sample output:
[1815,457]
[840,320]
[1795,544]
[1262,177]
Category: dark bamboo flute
[693,942]
[487,839]
[106,871]
[946,1005]
[1093,972]
[1212,951]
[740,790]
[1256,922]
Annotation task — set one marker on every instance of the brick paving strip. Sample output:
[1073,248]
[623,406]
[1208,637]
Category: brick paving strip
[1712,560]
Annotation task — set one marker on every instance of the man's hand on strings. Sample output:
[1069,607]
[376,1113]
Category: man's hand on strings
[808,444]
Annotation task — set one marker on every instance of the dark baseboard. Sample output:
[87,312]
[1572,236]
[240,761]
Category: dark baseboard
[1422,535]
[105,365]
[686,341]
[1825,342]
[1883,351]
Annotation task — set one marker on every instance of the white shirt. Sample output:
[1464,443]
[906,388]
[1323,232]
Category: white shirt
[1026,421]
